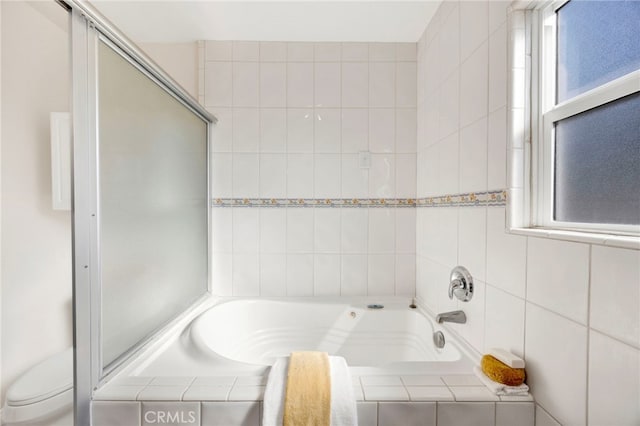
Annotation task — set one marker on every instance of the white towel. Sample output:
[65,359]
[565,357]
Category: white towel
[500,389]
[343,404]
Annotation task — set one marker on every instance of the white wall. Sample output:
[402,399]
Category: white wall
[292,119]
[570,309]
[179,60]
[36,241]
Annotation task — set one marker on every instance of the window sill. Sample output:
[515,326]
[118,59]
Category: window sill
[622,241]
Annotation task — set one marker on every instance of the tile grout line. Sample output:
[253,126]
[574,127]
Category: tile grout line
[486,177]
[341,258]
[314,117]
[260,159]
[588,342]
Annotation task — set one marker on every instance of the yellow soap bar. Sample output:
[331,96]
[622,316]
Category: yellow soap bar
[500,372]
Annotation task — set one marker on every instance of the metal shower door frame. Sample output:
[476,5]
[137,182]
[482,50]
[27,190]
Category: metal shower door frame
[88,27]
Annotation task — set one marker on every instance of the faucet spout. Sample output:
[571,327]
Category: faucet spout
[453,316]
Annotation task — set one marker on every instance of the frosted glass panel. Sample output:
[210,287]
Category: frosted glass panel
[153,204]
[597,164]
[598,41]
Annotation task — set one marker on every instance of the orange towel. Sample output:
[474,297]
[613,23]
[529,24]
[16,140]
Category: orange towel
[308,394]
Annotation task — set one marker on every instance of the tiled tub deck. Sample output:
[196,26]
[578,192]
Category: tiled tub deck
[408,400]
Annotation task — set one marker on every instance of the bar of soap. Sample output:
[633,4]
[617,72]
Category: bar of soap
[501,373]
[506,358]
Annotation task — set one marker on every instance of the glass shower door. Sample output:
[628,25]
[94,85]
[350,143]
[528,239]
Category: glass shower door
[152,174]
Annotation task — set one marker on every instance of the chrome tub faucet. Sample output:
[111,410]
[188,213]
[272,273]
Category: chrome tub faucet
[453,316]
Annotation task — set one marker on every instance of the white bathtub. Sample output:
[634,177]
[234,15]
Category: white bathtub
[215,362]
[245,336]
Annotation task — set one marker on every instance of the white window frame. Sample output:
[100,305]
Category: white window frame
[532,114]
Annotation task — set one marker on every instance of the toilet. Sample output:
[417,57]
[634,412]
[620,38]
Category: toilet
[43,396]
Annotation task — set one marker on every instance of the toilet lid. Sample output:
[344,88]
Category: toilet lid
[47,379]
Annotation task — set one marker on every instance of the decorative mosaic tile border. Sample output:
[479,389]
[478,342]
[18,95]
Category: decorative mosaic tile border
[472,199]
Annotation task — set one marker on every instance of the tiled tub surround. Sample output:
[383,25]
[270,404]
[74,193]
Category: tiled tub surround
[312,121]
[569,309]
[197,388]
[381,401]
[523,302]
[321,247]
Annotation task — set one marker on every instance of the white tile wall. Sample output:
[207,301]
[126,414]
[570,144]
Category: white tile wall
[300,83]
[382,52]
[293,118]
[570,309]
[465,413]
[218,51]
[273,130]
[246,274]
[406,89]
[246,50]
[497,68]
[300,275]
[497,149]
[327,84]
[473,330]
[273,275]
[108,413]
[449,40]
[326,278]
[474,83]
[327,231]
[474,17]
[273,176]
[504,321]
[402,413]
[535,295]
[514,413]
[367,413]
[245,84]
[544,419]
[355,84]
[556,357]
[473,157]
[297,52]
[615,292]
[561,287]
[472,240]
[354,274]
[272,51]
[449,104]
[506,255]
[327,132]
[381,275]
[609,359]
[381,93]
[328,52]
[273,84]
[240,413]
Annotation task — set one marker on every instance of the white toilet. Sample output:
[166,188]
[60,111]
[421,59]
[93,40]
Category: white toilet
[43,396]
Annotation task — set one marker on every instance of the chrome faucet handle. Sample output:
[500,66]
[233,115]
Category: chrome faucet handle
[454,285]
[461,284]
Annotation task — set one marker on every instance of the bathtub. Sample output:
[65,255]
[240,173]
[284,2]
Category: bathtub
[213,365]
[245,336]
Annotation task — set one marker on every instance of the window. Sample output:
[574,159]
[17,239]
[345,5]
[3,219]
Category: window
[585,116]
